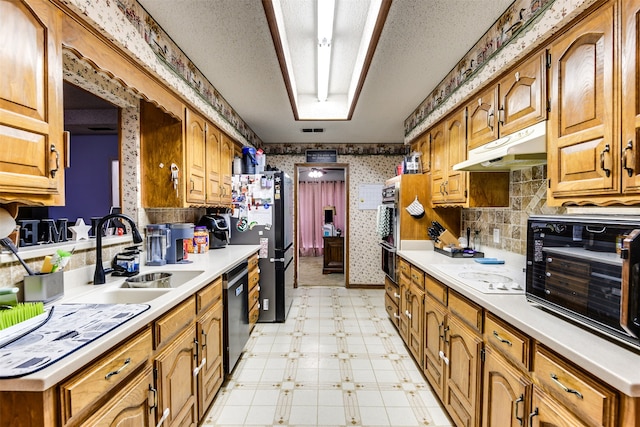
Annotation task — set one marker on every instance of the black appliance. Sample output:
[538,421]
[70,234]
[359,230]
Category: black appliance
[236,314]
[587,268]
[264,215]
[218,230]
[388,230]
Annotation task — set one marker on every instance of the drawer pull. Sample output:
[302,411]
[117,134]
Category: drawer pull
[443,357]
[396,316]
[116,372]
[197,370]
[502,340]
[554,377]
[396,295]
[516,403]
[165,415]
[53,171]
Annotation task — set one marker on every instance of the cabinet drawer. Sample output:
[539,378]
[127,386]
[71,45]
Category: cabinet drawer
[465,310]
[436,290]
[417,277]
[170,325]
[254,296]
[392,309]
[253,261]
[254,314]
[254,279]
[509,341]
[209,296]
[392,289]
[93,382]
[404,268]
[591,400]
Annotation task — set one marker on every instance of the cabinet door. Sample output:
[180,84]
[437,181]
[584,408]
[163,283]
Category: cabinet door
[131,406]
[456,147]
[31,119]
[630,96]
[226,163]
[195,167]
[438,163]
[416,324]
[462,348]
[582,153]
[213,146]
[176,383]
[523,96]
[506,393]
[482,126]
[211,374]
[546,412]
[435,318]
[405,297]
[423,146]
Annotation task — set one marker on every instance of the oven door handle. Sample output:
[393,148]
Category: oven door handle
[629,288]
[388,247]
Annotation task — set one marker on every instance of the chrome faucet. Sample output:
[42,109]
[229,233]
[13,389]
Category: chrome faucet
[99,276]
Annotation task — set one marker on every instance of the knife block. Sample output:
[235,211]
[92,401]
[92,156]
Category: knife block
[447,239]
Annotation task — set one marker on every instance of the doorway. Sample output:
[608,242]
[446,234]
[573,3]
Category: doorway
[322,224]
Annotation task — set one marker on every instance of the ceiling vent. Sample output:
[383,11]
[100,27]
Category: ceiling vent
[312,130]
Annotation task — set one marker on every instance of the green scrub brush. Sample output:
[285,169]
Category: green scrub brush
[20,313]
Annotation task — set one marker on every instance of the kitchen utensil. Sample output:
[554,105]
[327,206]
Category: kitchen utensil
[20,313]
[439,228]
[468,238]
[8,243]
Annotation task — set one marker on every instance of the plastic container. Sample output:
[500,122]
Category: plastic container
[200,240]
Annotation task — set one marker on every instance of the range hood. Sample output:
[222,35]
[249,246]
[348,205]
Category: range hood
[522,149]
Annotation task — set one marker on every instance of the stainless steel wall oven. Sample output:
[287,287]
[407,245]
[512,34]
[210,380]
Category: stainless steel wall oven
[388,230]
[587,268]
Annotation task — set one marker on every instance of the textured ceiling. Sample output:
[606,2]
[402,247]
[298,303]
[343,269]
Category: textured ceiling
[230,43]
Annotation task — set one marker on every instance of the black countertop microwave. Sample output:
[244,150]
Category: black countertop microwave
[587,268]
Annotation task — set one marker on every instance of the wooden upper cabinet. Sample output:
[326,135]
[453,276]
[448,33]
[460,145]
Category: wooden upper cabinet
[226,162]
[423,146]
[212,149]
[31,120]
[481,112]
[630,96]
[455,185]
[523,95]
[583,155]
[195,167]
[438,163]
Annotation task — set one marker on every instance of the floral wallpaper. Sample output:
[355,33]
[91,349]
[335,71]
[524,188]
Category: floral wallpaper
[524,26]
[355,149]
[364,252]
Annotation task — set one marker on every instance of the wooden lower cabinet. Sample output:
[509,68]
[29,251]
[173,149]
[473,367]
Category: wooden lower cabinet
[333,256]
[133,406]
[434,365]
[176,382]
[506,392]
[211,370]
[547,412]
[415,323]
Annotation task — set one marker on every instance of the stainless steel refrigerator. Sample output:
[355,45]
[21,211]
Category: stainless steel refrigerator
[263,215]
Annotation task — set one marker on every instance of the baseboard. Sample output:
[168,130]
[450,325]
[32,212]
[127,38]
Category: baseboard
[364,286]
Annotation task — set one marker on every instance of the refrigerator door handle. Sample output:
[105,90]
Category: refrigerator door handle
[276,259]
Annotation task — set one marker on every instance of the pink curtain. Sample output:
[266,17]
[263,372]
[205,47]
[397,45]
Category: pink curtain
[312,198]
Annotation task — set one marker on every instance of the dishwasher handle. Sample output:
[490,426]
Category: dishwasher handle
[237,277]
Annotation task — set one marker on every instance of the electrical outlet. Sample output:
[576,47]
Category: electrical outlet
[496,235]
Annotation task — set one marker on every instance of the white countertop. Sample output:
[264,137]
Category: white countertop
[606,360]
[212,264]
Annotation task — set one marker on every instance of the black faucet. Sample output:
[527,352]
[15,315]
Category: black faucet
[99,276]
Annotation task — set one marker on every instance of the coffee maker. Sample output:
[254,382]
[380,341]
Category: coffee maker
[218,230]
[158,242]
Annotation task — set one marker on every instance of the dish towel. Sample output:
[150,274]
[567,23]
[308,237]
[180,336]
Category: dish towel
[383,221]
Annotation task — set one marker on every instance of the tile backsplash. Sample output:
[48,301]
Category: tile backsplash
[527,196]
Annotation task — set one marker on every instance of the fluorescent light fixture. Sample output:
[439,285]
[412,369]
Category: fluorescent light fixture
[325,35]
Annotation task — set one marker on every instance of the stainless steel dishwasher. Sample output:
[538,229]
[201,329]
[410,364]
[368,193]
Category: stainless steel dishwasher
[236,314]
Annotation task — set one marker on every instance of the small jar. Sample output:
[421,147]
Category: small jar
[200,240]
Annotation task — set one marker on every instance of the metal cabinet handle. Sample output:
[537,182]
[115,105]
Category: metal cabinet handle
[554,377]
[501,116]
[490,120]
[443,357]
[607,149]
[502,340]
[517,403]
[53,149]
[116,372]
[204,339]
[627,148]
[165,415]
[197,370]
[440,334]
[152,399]
[444,336]
[446,183]
[531,415]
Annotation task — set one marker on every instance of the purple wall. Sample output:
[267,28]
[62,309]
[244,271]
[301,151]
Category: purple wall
[88,181]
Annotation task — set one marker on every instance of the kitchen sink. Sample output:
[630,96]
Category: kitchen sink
[160,279]
[124,296]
